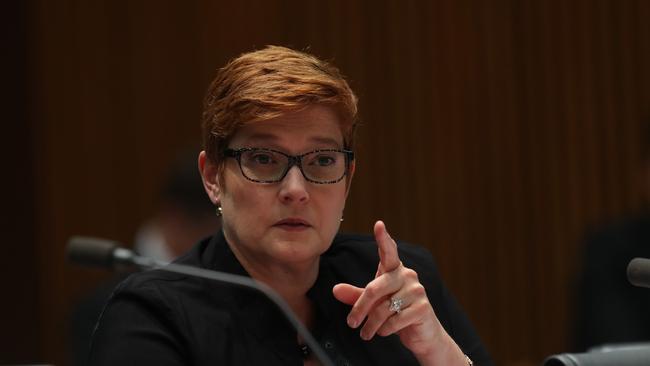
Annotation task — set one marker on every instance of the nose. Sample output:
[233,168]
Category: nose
[293,187]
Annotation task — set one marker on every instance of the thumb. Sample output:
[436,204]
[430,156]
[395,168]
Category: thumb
[346,293]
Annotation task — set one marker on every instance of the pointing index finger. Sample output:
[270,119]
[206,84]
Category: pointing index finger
[388,257]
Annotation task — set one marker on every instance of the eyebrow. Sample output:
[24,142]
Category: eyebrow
[316,139]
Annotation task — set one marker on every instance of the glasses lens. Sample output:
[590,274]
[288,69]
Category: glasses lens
[324,166]
[263,165]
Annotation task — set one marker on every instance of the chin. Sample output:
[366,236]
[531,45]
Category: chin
[294,251]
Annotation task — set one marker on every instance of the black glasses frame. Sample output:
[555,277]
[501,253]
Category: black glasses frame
[293,160]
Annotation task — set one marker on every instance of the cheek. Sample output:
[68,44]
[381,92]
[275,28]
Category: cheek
[244,200]
[332,208]
[238,198]
[243,220]
[331,216]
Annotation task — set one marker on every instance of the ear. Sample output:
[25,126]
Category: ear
[348,178]
[210,176]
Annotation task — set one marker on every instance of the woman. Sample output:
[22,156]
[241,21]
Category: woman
[278,129]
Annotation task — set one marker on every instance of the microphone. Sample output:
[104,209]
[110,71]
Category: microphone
[95,252]
[638,272]
[625,355]
[104,253]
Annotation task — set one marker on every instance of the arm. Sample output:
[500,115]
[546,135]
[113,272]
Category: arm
[136,328]
[416,322]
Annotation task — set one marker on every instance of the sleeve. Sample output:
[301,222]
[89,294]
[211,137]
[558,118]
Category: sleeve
[461,330]
[447,309]
[137,328]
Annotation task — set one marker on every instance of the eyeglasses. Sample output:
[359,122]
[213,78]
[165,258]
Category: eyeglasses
[323,166]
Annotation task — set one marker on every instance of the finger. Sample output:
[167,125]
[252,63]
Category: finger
[347,293]
[388,257]
[380,313]
[411,291]
[413,315]
[375,291]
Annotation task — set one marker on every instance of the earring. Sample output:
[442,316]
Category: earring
[219,211]
[341,219]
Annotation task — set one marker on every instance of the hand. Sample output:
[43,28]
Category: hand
[416,323]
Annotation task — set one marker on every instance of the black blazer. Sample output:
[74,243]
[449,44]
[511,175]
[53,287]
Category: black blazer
[158,318]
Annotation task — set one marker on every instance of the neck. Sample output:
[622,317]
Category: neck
[290,281]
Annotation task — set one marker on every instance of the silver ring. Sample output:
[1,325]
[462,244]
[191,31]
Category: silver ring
[396,304]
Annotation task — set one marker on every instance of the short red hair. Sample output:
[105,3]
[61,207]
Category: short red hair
[267,83]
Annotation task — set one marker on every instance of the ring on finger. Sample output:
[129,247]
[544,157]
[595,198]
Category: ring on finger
[395,304]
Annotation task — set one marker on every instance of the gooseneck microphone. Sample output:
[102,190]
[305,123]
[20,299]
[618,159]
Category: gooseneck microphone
[104,253]
[626,355]
[638,272]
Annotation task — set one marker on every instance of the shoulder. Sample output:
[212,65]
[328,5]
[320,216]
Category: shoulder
[617,242]
[159,288]
[353,251]
[151,281]
[626,231]
[365,245]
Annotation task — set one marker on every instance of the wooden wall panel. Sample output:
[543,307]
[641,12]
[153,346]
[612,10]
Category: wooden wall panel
[20,296]
[492,133]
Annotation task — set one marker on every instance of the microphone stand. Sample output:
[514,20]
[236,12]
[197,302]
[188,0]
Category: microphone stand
[123,258]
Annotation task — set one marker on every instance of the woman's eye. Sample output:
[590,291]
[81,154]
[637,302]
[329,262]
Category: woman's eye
[324,160]
[262,159]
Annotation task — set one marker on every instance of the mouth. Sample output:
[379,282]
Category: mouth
[292,224]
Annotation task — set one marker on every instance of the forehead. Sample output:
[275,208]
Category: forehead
[316,125]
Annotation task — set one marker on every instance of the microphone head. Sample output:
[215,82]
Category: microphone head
[623,355]
[638,272]
[92,252]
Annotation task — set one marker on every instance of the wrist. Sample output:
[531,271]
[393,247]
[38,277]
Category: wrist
[445,352]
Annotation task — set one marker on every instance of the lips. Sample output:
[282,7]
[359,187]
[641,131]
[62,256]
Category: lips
[292,223]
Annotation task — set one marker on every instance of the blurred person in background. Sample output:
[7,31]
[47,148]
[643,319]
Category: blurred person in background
[183,216]
[608,309]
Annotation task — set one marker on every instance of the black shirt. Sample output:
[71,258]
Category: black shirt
[608,308]
[159,318]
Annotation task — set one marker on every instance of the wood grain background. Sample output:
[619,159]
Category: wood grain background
[493,133]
